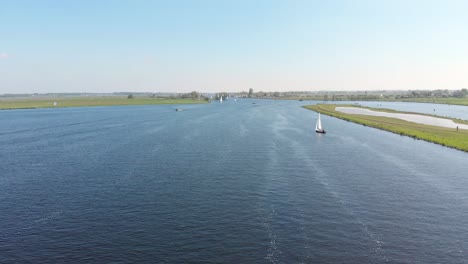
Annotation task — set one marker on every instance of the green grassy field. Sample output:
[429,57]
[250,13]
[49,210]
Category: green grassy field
[27,103]
[444,136]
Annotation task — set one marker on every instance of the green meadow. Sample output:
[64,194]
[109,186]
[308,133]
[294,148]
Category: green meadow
[28,103]
[444,136]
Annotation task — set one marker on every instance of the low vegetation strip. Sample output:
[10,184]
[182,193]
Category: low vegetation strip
[449,137]
[29,103]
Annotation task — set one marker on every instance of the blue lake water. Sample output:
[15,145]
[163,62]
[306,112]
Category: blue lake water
[225,183]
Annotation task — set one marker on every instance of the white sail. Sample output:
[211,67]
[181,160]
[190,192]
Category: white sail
[221,99]
[318,125]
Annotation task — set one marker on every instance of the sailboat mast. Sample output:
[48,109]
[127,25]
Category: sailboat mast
[319,122]
[318,126]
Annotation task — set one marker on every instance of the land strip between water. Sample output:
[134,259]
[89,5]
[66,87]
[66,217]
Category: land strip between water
[32,103]
[450,137]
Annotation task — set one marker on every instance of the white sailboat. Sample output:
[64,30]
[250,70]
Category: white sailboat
[318,126]
[221,99]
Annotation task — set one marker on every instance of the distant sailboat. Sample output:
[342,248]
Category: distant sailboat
[221,99]
[318,126]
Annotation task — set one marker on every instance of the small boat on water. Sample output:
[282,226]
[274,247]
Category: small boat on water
[179,109]
[318,126]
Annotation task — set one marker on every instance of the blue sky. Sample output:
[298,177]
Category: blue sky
[208,45]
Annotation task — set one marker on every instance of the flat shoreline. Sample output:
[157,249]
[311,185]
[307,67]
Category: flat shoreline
[450,137]
[17,104]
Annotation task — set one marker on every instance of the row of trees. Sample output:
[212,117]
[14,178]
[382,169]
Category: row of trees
[192,95]
[436,93]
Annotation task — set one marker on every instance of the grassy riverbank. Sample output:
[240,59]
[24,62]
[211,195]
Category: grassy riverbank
[444,136]
[29,103]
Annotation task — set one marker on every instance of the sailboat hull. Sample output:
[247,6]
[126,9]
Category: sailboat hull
[320,131]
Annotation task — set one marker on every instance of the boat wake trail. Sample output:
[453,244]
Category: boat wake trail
[268,211]
[323,179]
[273,253]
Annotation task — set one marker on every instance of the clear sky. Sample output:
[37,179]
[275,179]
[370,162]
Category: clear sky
[221,45]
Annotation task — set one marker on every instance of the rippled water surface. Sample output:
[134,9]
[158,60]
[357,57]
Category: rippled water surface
[224,183]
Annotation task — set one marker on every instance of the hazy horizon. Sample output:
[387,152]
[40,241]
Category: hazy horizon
[211,46]
[125,93]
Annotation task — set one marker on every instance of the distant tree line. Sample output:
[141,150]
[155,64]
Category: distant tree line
[319,95]
[192,95]
[435,94]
